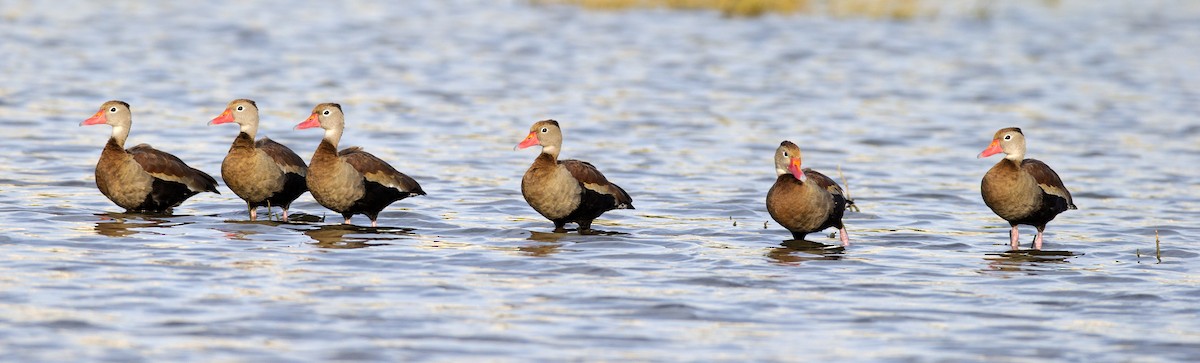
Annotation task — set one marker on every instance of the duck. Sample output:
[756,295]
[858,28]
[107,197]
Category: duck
[264,173]
[1020,190]
[803,200]
[566,191]
[351,181]
[142,179]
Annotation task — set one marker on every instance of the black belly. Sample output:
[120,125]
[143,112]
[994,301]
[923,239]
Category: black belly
[375,198]
[1051,206]
[591,205]
[293,187]
[163,196]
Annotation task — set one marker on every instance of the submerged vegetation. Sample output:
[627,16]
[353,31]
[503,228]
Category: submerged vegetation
[879,9]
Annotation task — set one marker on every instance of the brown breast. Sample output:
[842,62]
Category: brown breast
[799,207]
[332,182]
[550,189]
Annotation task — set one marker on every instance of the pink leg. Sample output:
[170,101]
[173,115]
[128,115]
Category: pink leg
[347,221]
[1037,241]
[1012,238]
[285,218]
[253,214]
[373,223]
[845,236]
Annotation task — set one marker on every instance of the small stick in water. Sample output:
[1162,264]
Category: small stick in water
[846,186]
[1157,249]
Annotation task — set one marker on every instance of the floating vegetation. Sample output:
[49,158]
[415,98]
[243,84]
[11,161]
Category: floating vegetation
[877,9]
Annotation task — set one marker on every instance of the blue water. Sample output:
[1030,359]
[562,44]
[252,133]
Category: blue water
[682,109]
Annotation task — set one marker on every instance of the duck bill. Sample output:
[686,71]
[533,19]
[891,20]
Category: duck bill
[311,122]
[992,149]
[794,168]
[96,119]
[225,117]
[529,141]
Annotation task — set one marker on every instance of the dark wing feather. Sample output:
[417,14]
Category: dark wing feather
[824,182]
[376,170]
[285,157]
[1048,180]
[168,167]
[591,178]
[840,202]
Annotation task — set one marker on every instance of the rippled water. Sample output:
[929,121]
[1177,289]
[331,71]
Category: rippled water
[683,109]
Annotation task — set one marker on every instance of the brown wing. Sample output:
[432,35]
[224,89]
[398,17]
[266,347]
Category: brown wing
[285,157]
[168,167]
[824,182]
[1047,179]
[591,178]
[376,170]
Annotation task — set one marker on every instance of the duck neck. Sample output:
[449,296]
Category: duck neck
[250,129]
[1009,166]
[552,151]
[119,134]
[1017,153]
[333,136]
[325,149]
[244,140]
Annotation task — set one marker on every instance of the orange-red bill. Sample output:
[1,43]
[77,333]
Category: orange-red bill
[794,168]
[529,141]
[225,117]
[992,149]
[312,121]
[96,119]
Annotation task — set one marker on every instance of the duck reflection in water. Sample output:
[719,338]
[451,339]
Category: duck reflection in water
[1026,260]
[126,224]
[545,244]
[796,251]
[345,236]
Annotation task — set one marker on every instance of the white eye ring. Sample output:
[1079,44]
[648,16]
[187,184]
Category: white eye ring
[239,108]
[785,154]
[326,112]
[1008,137]
[545,129]
[114,109]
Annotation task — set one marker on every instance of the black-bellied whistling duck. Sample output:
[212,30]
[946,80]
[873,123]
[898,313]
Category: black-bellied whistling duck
[803,200]
[351,181]
[142,178]
[566,191]
[1020,190]
[264,173]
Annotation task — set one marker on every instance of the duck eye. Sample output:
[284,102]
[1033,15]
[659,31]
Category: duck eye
[545,129]
[240,108]
[1008,137]
[785,154]
[326,113]
[114,109]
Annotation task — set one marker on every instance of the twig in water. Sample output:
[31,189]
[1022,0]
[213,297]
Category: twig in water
[1157,248]
[846,188]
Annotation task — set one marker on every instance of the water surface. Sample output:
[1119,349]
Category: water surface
[682,109]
